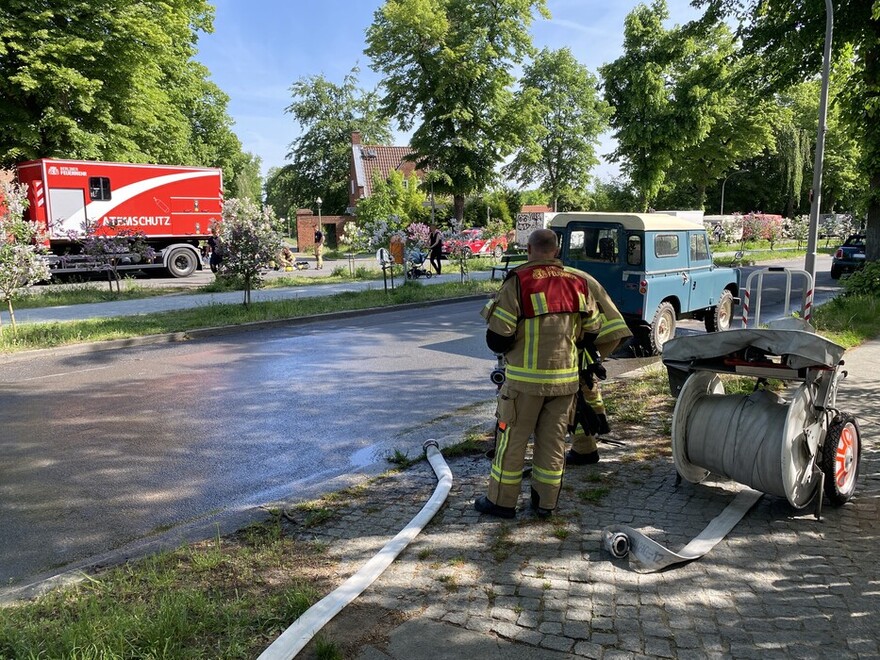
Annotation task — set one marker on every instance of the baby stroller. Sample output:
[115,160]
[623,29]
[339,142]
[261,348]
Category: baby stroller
[416,269]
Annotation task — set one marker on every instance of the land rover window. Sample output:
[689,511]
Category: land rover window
[593,244]
[99,188]
[634,250]
[666,245]
[699,248]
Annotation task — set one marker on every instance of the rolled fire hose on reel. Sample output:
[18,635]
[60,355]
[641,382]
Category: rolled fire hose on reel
[753,439]
[300,633]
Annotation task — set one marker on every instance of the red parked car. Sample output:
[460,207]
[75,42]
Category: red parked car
[476,244]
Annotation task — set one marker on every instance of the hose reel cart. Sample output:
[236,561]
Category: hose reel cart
[793,445]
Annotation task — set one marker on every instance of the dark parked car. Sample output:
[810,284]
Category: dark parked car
[848,257]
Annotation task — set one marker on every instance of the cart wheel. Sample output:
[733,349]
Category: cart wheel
[841,455]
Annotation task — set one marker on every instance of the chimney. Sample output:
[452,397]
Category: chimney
[356,137]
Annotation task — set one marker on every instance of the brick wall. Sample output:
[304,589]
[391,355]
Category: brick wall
[307,222]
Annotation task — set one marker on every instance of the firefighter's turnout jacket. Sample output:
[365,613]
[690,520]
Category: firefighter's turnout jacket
[549,309]
[546,309]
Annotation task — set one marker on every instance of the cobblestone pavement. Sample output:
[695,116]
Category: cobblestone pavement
[780,585]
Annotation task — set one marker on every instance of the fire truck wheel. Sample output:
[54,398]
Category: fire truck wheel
[182,262]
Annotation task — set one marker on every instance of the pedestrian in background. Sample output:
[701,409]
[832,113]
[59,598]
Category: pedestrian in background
[542,314]
[435,246]
[319,248]
[216,248]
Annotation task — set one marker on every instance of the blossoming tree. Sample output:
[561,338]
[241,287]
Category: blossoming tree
[249,242]
[21,263]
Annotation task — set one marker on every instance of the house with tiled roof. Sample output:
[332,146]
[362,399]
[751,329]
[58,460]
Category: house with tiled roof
[365,161]
[368,159]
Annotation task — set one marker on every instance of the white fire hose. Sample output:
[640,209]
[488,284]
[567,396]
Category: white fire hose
[300,633]
[647,556]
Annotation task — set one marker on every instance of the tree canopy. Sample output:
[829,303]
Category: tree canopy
[111,80]
[328,114]
[788,37]
[571,118]
[447,67]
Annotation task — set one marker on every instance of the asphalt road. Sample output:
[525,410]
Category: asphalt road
[102,450]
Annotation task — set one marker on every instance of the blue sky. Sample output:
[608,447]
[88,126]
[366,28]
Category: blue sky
[260,47]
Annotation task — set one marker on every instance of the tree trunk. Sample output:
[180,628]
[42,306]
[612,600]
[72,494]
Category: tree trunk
[458,207]
[701,196]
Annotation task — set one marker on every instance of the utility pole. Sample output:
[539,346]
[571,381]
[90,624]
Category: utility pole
[813,237]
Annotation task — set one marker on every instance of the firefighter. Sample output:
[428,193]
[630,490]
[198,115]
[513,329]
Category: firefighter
[541,315]
[590,411]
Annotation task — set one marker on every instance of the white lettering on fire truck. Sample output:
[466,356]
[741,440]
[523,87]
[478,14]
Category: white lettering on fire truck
[138,221]
[67,171]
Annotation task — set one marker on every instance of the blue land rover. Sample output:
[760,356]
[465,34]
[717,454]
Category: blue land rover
[657,268]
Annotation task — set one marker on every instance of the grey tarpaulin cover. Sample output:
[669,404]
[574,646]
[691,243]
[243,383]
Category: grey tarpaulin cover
[801,348]
[648,556]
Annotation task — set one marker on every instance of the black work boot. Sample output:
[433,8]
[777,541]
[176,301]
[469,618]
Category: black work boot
[576,458]
[536,506]
[484,505]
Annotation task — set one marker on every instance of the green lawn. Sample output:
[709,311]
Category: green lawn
[47,335]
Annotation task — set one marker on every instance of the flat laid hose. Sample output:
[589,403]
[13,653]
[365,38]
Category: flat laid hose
[300,633]
[648,556]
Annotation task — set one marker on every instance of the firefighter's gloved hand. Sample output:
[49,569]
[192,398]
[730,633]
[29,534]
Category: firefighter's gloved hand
[593,372]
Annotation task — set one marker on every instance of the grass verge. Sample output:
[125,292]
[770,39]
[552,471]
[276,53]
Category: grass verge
[87,292]
[48,335]
[224,598]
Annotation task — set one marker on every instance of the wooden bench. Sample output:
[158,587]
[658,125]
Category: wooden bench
[509,261]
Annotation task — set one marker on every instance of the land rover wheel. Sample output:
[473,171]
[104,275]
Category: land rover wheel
[841,455]
[182,262]
[719,317]
[662,327]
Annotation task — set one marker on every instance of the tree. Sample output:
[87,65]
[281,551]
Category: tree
[711,85]
[247,181]
[328,114]
[447,67]
[391,208]
[645,121]
[278,191]
[572,117]
[788,38]
[249,242]
[21,264]
[615,195]
[111,81]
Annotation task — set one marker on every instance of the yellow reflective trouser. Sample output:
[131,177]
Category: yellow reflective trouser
[580,441]
[519,416]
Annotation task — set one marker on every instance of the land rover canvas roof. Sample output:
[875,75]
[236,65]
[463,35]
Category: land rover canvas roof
[636,221]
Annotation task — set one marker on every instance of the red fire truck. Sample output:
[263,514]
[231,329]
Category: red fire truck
[173,206]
